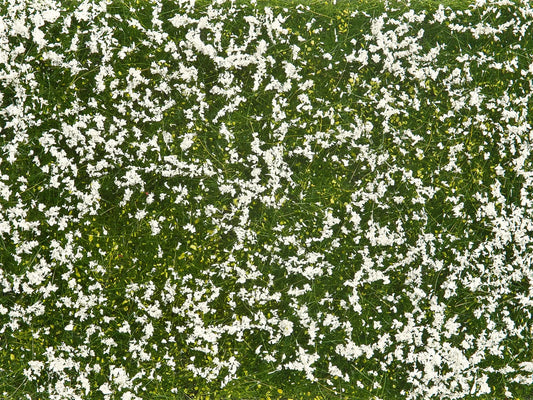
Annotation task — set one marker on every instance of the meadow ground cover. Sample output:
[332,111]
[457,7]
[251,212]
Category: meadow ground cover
[265,200]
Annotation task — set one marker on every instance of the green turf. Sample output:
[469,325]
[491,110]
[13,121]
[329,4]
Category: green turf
[389,197]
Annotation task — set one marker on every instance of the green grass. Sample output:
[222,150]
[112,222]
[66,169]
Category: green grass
[364,152]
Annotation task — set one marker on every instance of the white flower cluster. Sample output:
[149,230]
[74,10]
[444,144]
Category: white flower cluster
[200,193]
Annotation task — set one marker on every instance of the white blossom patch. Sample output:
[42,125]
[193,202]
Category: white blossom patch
[217,197]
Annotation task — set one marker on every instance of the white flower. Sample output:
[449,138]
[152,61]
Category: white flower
[125,328]
[154,311]
[38,38]
[179,20]
[119,377]
[187,142]
[150,198]
[350,350]
[129,396]
[35,369]
[190,228]
[50,15]
[105,389]
[19,28]
[304,363]
[148,330]
[154,226]
[286,327]
[291,71]
[131,178]
[140,214]
[526,366]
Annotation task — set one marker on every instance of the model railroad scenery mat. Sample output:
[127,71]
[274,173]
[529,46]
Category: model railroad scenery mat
[266,199]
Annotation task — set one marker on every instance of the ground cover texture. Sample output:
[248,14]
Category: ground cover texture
[265,200]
